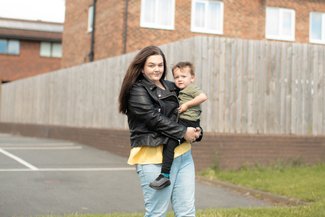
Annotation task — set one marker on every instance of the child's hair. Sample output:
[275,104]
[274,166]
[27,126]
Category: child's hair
[182,65]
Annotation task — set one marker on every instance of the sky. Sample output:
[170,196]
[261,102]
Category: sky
[45,10]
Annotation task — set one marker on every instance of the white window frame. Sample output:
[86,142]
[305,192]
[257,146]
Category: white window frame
[45,52]
[206,29]
[281,35]
[56,50]
[9,43]
[90,18]
[156,24]
[312,40]
[51,52]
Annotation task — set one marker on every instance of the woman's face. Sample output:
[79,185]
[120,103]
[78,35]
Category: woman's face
[153,68]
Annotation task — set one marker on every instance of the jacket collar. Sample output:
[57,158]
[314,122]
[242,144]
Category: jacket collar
[150,84]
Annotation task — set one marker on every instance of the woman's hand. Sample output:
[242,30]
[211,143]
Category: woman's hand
[192,134]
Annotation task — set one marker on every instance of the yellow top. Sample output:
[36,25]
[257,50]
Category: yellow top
[153,155]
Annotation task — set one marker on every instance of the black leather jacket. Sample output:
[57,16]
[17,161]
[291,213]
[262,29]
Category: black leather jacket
[152,114]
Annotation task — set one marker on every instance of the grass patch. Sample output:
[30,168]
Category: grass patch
[314,210]
[301,182]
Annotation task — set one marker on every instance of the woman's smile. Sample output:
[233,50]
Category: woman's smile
[154,68]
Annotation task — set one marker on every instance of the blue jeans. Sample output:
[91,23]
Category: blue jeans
[180,192]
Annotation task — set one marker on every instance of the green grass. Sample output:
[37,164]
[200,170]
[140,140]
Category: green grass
[306,183]
[314,210]
[301,182]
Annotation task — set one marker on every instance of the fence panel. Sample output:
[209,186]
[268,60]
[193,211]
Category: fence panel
[253,87]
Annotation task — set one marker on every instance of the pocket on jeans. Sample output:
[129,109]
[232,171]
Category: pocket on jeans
[138,168]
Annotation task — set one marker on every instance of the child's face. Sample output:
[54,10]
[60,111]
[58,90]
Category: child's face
[183,77]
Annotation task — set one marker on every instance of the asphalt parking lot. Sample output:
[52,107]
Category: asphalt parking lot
[42,176]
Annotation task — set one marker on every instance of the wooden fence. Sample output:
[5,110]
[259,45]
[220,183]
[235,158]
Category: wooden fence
[253,87]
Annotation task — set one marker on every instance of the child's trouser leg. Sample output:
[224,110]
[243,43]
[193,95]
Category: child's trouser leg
[168,155]
[162,180]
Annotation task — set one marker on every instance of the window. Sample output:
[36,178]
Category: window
[280,24]
[317,28]
[90,18]
[8,46]
[50,49]
[207,16]
[157,14]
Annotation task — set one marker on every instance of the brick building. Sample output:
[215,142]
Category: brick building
[128,25]
[29,48]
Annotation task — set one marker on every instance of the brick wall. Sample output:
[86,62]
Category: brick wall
[76,38]
[232,151]
[108,31]
[138,37]
[228,151]
[302,9]
[242,19]
[27,63]
[109,23]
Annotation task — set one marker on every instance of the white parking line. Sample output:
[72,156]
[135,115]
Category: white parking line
[34,144]
[18,159]
[116,169]
[42,148]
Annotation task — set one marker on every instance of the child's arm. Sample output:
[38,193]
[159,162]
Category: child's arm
[194,102]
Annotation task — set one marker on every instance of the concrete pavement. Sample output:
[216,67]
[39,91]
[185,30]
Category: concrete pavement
[42,176]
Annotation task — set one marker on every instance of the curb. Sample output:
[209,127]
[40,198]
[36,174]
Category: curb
[262,195]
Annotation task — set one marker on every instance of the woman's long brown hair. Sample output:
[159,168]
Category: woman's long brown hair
[134,72]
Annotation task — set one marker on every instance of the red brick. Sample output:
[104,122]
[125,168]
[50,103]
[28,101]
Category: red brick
[228,151]
[242,19]
[27,63]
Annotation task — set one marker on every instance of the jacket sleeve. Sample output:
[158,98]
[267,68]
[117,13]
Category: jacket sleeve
[140,104]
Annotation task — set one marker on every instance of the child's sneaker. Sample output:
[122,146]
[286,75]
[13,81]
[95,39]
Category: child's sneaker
[160,182]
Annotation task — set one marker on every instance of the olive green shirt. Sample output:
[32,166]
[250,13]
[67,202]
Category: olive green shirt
[187,94]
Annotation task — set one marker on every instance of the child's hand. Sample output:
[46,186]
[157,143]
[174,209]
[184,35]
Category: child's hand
[182,108]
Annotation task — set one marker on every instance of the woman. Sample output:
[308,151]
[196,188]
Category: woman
[150,103]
